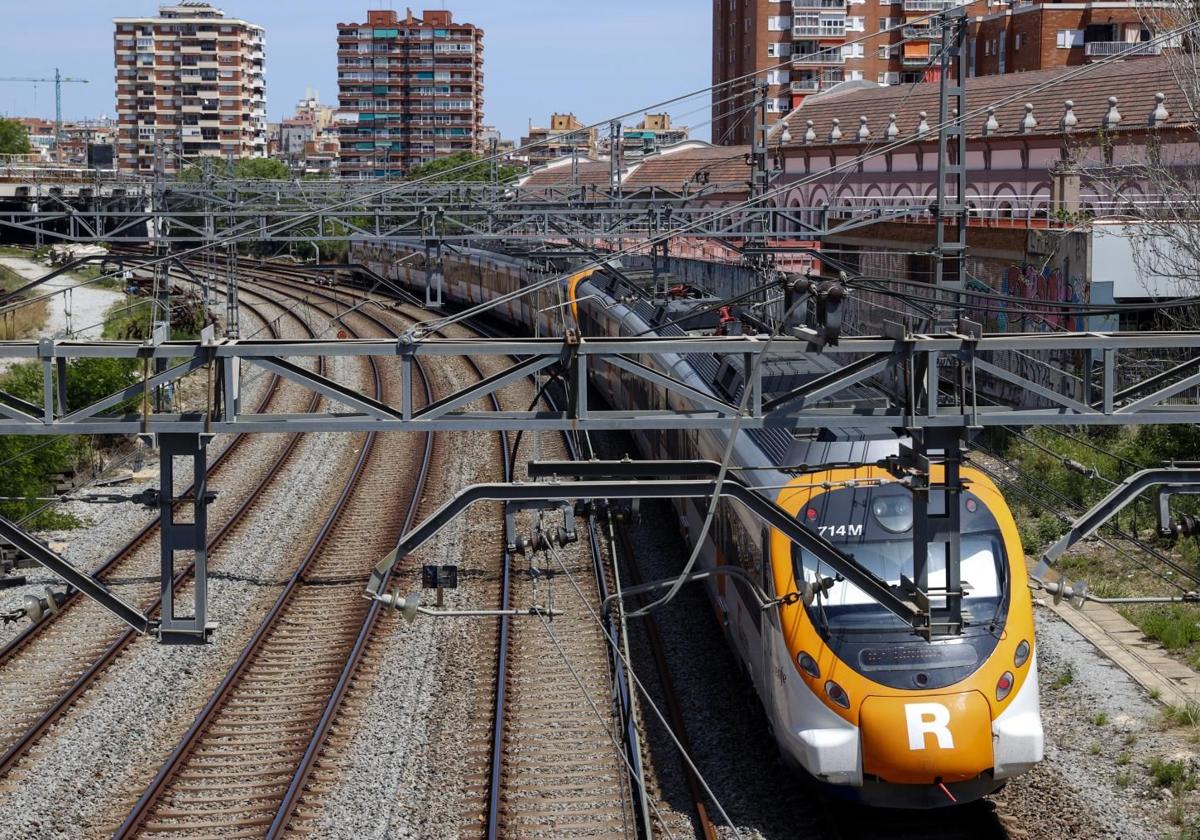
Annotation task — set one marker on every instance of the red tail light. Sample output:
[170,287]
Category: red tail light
[1004,685]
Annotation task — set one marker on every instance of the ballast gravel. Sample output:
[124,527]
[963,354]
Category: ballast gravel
[80,778]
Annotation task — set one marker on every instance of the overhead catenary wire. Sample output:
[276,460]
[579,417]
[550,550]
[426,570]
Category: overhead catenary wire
[729,210]
[407,185]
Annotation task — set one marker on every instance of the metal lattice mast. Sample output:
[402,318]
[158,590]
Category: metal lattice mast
[614,157]
[950,266]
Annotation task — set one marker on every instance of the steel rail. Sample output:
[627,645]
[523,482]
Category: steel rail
[623,692]
[158,785]
[674,710]
[17,749]
[18,643]
[295,788]
[333,704]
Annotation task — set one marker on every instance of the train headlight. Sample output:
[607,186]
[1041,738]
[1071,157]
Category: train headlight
[1004,685]
[1022,654]
[837,694]
[808,665]
[894,513]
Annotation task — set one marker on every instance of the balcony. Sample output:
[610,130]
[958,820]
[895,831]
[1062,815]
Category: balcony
[1101,49]
[817,58]
[826,29]
[818,4]
[806,86]
[928,5]
[915,32]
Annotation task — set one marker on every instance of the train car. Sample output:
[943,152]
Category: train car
[853,698]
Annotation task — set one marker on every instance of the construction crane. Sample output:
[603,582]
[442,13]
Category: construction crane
[59,80]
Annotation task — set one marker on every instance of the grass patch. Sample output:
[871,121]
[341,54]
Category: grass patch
[1093,748]
[1187,715]
[1123,758]
[1187,831]
[1123,779]
[1171,774]
[29,463]
[25,321]
[1100,719]
[1065,678]
[1174,626]
[131,319]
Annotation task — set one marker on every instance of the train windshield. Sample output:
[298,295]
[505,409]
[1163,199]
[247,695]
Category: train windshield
[874,526]
[845,606]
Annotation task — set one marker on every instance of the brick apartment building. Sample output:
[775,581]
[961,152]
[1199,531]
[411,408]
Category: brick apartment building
[802,47]
[1036,36]
[410,90]
[565,136]
[192,80]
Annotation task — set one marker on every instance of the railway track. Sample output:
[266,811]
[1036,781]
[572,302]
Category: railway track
[545,756]
[482,554]
[277,698]
[50,665]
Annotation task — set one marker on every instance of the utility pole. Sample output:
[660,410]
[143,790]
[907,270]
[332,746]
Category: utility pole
[160,324]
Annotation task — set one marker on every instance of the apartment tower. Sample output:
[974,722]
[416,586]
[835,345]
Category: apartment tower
[801,47]
[192,82]
[410,90]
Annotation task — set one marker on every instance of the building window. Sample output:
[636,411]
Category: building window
[779,50]
[1016,42]
[779,23]
[855,24]
[885,23]
[853,51]
[854,75]
[1068,38]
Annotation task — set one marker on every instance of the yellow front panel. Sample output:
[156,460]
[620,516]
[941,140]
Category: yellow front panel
[946,737]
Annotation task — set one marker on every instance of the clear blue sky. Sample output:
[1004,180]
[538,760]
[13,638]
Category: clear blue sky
[597,59]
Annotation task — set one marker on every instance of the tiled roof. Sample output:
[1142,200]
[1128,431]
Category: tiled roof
[1133,82]
[697,166]
[560,173]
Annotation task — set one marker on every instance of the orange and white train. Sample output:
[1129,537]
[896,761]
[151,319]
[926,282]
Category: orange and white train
[852,696]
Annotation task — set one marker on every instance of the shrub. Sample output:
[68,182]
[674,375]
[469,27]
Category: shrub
[1172,774]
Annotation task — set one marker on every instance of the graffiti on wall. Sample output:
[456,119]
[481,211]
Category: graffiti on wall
[1022,288]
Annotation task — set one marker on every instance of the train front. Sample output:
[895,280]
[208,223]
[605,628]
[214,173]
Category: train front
[866,705]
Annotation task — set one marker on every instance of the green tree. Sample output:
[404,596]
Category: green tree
[14,139]
[439,169]
[244,169]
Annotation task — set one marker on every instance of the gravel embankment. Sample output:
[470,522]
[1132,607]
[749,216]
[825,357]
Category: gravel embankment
[104,751]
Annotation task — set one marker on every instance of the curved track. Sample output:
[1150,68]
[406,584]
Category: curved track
[51,664]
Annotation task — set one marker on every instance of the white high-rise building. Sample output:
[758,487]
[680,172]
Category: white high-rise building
[192,80]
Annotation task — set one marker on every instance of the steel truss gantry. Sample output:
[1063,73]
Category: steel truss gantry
[919,360]
[466,224]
